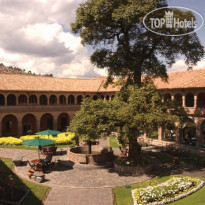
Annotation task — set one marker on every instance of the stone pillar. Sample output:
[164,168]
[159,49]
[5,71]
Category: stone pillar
[5,99]
[183,101]
[20,128]
[17,99]
[57,100]
[55,121]
[160,133]
[1,127]
[38,125]
[195,101]
[38,99]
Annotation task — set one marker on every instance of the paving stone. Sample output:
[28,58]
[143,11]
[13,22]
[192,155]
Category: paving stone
[78,186]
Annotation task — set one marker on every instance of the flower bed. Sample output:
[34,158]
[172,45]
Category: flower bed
[172,190]
[10,141]
[63,138]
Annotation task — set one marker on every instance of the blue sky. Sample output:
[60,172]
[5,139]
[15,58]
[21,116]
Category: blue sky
[197,5]
[35,36]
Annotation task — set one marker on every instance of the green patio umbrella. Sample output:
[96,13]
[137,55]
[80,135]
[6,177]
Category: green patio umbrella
[38,142]
[48,132]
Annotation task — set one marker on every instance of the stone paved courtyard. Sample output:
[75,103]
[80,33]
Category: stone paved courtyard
[86,184]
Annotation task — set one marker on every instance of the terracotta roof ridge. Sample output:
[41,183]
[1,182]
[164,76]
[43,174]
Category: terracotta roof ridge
[183,71]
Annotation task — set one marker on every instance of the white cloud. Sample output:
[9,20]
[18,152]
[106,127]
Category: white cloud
[200,65]
[41,32]
[181,66]
[33,37]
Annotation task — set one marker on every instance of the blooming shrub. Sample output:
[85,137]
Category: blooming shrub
[30,137]
[170,189]
[62,138]
[10,141]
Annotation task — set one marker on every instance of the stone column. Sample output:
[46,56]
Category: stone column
[20,128]
[55,121]
[183,101]
[38,99]
[160,133]
[5,99]
[57,100]
[195,101]
[38,125]
[0,127]
[17,99]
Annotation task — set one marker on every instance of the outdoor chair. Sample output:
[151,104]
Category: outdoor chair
[35,167]
[47,163]
[49,150]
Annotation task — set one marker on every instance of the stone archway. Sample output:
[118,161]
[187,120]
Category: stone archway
[188,133]
[9,126]
[2,100]
[28,124]
[47,121]
[63,121]
[11,100]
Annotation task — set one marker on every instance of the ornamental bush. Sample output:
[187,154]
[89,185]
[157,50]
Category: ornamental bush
[172,188]
[10,141]
[62,138]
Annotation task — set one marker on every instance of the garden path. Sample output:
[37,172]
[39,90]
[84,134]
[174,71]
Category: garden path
[90,185]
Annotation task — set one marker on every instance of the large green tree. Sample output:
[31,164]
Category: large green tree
[141,110]
[89,122]
[133,111]
[124,46]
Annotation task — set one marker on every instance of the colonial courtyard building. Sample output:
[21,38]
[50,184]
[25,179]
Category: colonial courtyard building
[29,103]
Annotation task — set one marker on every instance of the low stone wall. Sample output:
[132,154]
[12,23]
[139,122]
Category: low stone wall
[166,144]
[104,155]
[133,170]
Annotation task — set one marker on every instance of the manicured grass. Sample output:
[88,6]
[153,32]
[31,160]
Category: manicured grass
[195,198]
[113,142]
[123,194]
[163,157]
[18,147]
[37,192]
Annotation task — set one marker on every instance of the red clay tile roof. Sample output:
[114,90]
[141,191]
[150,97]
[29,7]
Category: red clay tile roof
[183,79]
[10,82]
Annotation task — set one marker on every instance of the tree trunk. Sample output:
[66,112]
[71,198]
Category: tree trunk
[137,77]
[134,149]
[89,147]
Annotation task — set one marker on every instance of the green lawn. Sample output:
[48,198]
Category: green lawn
[163,157]
[18,147]
[37,192]
[123,195]
[113,142]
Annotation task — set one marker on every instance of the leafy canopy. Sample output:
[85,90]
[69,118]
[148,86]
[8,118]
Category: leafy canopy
[124,46]
[89,122]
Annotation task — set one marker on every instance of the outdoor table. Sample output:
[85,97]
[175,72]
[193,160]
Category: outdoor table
[38,164]
[36,161]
